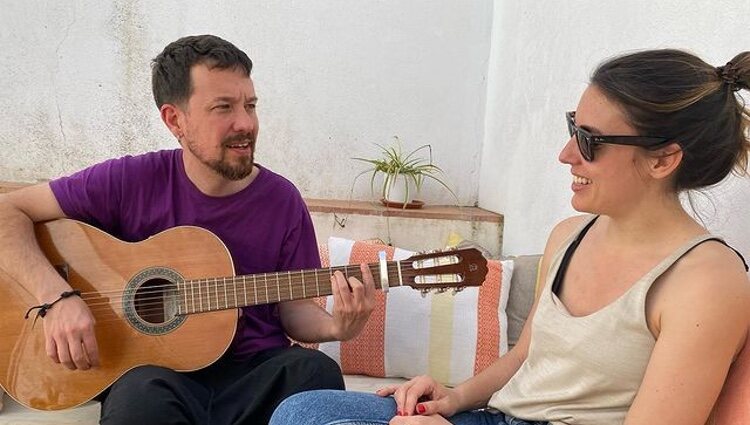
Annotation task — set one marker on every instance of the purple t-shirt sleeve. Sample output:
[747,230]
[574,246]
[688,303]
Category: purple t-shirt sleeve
[93,195]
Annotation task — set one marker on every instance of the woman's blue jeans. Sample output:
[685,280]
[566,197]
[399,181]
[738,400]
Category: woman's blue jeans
[330,407]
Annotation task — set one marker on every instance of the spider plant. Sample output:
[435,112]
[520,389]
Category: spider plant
[393,162]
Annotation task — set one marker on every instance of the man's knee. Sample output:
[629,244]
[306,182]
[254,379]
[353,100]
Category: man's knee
[141,395]
[315,369]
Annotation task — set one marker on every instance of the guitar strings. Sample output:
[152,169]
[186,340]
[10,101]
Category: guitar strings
[155,304]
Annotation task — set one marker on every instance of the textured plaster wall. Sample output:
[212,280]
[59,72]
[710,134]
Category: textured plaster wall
[333,77]
[486,82]
[542,55]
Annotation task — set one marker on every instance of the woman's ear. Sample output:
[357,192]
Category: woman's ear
[172,117]
[664,161]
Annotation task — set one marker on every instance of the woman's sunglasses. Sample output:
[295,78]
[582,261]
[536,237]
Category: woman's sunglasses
[587,141]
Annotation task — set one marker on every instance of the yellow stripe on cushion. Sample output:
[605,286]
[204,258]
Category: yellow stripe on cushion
[441,337]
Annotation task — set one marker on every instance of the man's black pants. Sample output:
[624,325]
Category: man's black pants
[227,392]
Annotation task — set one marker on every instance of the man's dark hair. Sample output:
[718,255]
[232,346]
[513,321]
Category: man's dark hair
[170,70]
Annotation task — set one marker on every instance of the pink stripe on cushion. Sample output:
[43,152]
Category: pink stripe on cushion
[325,256]
[733,406]
[488,324]
[365,354]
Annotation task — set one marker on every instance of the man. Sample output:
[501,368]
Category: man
[205,96]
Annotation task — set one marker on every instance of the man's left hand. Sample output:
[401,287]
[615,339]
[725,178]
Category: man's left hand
[353,302]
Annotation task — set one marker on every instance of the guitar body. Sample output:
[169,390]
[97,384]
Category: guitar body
[105,269]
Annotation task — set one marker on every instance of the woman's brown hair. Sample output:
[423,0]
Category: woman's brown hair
[672,93]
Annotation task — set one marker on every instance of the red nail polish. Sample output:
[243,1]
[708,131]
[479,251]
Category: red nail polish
[420,409]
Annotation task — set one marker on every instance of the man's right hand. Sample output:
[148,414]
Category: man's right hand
[69,334]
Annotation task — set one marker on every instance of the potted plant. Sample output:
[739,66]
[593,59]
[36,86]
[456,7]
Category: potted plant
[403,174]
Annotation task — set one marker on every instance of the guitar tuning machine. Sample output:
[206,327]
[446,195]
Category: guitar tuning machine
[441,290]
[457,290]
[424,292]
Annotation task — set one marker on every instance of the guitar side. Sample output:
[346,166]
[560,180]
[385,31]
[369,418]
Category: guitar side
[101,267]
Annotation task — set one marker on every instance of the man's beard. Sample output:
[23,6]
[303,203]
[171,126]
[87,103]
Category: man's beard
[221,166]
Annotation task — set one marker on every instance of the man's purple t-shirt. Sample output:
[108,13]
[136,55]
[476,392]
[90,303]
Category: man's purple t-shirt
[266,226]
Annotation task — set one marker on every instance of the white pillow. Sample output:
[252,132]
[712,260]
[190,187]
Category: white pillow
[448,337]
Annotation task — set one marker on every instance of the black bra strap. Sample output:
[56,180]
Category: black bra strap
[557,283]
[728,246]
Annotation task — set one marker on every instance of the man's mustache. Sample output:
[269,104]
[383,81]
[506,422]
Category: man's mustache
[241,138]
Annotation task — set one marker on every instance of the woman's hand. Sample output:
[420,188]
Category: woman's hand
[422,395]
[418,420]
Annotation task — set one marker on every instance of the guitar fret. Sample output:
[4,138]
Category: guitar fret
[200,296]
[291,293]
[317,283]
[226,297]
[234,290]
[216,291]
[244,288]
[192,294]
[265,280]
[303,284]
[255,290]
[278,288]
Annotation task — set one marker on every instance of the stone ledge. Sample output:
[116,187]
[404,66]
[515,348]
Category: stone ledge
[442,212]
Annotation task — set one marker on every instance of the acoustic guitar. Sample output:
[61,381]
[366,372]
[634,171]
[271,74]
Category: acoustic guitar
[171,300]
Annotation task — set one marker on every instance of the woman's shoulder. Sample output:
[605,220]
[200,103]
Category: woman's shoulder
[708,284]
[712,266]
[564,230]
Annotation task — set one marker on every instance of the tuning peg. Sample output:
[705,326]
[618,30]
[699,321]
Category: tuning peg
[457,290]
[424,292]
[441,290]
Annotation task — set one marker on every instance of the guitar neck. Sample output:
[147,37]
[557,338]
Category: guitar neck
[211,294]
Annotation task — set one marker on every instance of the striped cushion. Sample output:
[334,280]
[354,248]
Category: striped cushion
[446,336]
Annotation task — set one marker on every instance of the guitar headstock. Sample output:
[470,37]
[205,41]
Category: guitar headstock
[442,270]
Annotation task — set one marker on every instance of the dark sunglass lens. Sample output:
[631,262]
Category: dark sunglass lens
[584,145]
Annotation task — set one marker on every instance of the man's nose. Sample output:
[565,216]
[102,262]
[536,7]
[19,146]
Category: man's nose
[245,121]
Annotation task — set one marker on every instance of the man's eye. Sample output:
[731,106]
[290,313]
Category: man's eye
[222,107]
[250,106]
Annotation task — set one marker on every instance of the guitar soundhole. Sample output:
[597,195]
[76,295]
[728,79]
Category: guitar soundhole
[154,301]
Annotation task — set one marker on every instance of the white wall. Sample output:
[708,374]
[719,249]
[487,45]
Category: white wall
[481,80]
[333,77]
[542,55]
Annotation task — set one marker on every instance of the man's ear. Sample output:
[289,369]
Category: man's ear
[664,161]
[172,116]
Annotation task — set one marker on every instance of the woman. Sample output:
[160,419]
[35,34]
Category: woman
[642,311]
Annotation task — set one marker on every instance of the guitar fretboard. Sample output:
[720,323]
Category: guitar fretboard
[202,295]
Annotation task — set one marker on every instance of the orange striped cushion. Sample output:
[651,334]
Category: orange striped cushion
[448,337]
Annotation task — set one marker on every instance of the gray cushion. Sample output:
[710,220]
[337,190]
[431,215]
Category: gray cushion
[521,295]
